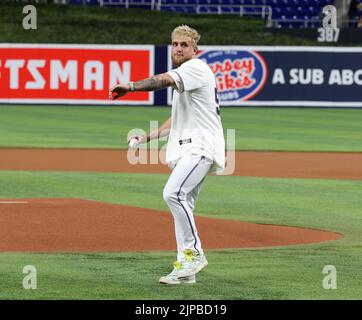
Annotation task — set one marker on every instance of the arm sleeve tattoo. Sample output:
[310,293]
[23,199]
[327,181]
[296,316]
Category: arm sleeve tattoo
[154,83]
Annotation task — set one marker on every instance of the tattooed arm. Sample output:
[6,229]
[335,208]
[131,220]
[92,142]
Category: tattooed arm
[156,82]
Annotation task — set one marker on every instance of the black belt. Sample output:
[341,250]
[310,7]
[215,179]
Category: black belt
[184,141]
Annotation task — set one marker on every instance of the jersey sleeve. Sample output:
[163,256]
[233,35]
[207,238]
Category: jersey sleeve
[179,87]
[189,76]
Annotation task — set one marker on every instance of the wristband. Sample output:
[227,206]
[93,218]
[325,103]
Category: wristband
[131,86]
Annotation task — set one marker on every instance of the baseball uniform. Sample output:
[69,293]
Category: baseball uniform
[195,147]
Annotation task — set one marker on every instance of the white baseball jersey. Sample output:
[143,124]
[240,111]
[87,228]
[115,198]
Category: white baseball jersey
[196,124]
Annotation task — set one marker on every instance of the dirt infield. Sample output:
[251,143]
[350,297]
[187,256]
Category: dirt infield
[72,225]
[260,164]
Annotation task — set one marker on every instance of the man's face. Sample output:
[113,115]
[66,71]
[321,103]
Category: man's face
[182,50]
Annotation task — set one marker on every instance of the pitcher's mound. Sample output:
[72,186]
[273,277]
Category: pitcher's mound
[64,225]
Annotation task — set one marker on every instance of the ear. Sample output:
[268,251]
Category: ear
[195,50]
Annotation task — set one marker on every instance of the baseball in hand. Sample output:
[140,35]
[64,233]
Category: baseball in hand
[133,143]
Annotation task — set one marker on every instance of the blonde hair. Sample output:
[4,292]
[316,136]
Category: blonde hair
[184,30]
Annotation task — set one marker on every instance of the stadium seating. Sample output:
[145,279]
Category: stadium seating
[284,13]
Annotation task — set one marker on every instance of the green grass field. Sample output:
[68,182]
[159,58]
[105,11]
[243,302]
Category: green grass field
[293,272]
[107,127]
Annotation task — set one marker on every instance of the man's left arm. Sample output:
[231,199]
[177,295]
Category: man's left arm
[154,83]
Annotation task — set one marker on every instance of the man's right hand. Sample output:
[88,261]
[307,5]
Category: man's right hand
[118,91]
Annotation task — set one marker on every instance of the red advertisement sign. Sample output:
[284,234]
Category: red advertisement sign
[74,74]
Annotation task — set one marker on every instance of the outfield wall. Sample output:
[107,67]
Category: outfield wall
[72,74]
[246,76]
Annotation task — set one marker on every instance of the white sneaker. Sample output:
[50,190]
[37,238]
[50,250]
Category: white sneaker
[173,278]
[192,264]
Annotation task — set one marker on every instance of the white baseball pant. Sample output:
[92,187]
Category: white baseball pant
[181,193]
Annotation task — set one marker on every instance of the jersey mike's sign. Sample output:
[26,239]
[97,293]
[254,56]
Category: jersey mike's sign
[239,75]
[285,76]
[77,74]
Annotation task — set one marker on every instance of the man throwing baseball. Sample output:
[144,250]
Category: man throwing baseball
[195,144]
